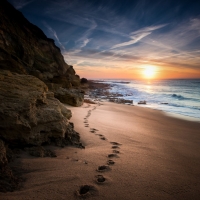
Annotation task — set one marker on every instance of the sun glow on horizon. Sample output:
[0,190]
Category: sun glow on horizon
[149,72]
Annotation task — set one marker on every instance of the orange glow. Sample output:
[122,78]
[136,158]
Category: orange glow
[136,71]
[149,72]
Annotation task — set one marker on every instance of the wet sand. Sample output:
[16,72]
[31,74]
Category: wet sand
[131,153]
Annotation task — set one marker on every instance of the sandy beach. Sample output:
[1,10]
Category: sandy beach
[155,157]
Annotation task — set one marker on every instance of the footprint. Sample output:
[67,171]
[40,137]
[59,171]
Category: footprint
[102,138]
[115,147]
[92,131]
[113,155]
[103,168]
[110,162]
[86,191]
[116,151]
[86,125]
[100,179]
[115,143]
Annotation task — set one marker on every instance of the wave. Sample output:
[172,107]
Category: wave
[178,96]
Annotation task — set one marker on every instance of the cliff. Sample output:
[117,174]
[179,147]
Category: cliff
[32,73]
[25,49]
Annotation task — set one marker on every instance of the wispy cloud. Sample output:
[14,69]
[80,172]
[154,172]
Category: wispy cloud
[136,36]
[19,4]
[84,40]
[134,40]
[148,29]
[53,32]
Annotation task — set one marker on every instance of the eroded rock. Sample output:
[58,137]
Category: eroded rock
[72,97]
[29,114]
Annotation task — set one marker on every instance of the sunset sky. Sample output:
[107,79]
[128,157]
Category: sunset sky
[122,38]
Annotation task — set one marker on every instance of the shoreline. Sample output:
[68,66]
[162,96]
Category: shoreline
[103,90]
[174,115]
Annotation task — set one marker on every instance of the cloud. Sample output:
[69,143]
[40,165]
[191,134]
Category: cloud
[84,40]
[19,4]
[136,36]
[53,32]
[148,29]
[134,40]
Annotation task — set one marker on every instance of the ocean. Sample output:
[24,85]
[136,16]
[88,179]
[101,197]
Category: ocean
[178,96]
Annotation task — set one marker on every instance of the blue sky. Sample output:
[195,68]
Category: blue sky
[120,38]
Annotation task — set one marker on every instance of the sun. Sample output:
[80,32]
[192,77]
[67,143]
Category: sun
[149,72]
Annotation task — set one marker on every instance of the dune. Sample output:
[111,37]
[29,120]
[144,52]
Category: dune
[130,152]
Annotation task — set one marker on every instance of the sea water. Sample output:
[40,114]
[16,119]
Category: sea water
[180,97]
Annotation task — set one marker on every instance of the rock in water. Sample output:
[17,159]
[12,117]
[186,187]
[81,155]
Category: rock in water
[29,114]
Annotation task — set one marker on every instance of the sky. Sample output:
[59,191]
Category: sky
[124,39]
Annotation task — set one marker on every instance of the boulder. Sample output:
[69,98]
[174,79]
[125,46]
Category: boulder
[142,102]
[84,80]
[29,114]
[72,97]
[75,81]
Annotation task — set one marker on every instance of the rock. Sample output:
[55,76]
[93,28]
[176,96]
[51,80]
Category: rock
[84,80]
[71,138]
[72,97]
[75,80]
[142,102]
[29,114]
[120,100]
[8,182]
[3,158]
[89,101]
[62,81]
[25,49]
[40,151]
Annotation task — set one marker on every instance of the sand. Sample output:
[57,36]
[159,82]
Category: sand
[155,157]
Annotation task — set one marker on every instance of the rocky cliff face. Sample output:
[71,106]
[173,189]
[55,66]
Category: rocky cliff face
[32,70]
[25,49]
[29,113]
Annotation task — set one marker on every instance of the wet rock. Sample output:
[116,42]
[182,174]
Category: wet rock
[142,102]
[121,100]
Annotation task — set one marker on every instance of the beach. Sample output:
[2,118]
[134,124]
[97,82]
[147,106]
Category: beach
[154,156]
